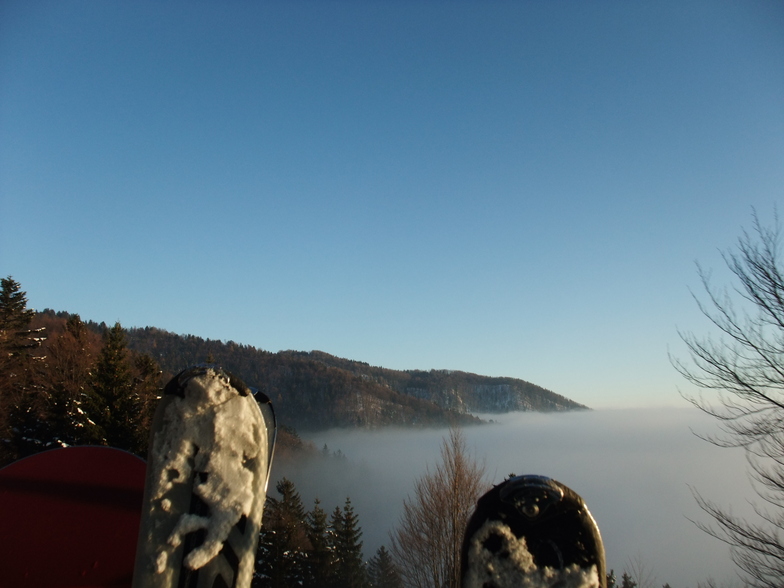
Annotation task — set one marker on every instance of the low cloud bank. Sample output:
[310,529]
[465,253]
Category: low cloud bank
[634,468]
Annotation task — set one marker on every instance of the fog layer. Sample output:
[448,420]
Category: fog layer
[634,468]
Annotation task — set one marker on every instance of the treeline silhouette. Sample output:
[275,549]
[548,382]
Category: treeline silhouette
[65,381]
[316,390]
[307,393]
[62,383]
[312,549]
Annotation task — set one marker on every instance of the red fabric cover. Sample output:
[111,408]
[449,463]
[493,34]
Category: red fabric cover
[70,517]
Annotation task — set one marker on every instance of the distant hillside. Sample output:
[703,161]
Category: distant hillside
[456,390]
[306,393]
[315,390]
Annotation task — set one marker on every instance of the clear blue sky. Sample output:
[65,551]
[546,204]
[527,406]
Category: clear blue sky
[506,188]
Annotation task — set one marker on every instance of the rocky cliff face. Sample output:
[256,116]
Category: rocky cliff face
[472,396]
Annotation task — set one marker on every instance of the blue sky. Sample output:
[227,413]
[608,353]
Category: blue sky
[506,188]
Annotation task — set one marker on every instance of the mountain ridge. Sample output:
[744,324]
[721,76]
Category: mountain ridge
[316,390]
[473,393]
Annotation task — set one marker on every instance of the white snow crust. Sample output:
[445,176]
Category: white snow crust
[513,564]
[214,418]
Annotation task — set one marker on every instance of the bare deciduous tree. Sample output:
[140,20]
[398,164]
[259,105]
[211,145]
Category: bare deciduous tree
[426,544]
[743,367]
[640,571]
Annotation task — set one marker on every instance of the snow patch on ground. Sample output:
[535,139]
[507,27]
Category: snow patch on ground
[213,429]
[513,564]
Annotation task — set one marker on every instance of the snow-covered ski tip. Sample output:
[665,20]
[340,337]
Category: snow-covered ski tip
[208,468]
[534,532]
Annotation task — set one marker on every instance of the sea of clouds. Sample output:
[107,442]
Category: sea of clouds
[635,468]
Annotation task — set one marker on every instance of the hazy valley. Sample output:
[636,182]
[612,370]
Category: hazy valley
[347,429]
[636,469]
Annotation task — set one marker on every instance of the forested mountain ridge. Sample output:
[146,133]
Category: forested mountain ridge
[315,390]
[64,381]
[306,394]
[456,390]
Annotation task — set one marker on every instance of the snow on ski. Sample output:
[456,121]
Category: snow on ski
[208,468]
[531,531]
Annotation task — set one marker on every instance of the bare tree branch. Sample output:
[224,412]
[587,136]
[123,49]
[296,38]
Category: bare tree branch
[742,370]
[426,543]
[641,572]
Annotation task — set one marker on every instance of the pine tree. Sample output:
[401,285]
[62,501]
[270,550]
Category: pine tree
[382,571]
[319,562]
[283,541]
[97,395]
[15,317]
[611,581]
[350,567]
[147,391]
[627,581]
[114,407]
[21,403]
[334,541]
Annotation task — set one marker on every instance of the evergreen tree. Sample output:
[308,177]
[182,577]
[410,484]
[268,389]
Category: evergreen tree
[21,403]
[611,581]
[283,541]
[627,581]
[265,551]
[15,318]
[334,535]
[115,408]
[349,565]
[97,394]
[319,562]
[147,390]
[382,571]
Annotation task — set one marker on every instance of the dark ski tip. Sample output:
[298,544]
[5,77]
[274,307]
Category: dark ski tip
[532,531]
